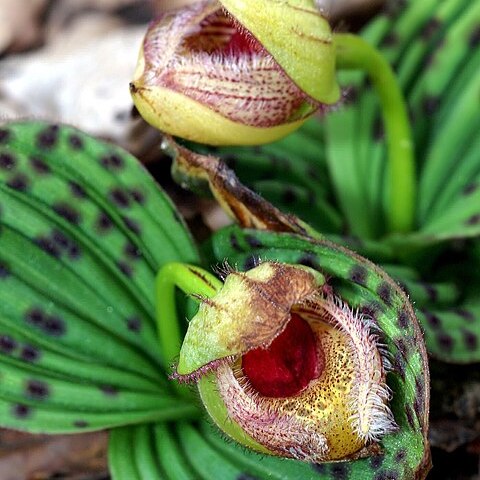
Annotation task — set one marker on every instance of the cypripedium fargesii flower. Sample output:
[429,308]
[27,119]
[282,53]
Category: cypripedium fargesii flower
[230,72]
[287,368]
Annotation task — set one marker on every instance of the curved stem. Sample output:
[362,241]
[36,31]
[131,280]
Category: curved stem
[355,53]
[191,280]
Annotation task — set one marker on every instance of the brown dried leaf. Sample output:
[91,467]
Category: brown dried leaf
[28,457]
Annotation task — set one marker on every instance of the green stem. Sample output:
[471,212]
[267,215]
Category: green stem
[191,280]
[355,53]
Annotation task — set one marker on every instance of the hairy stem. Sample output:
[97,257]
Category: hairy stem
[355,53]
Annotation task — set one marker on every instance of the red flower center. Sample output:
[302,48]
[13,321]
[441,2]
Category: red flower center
[219,34]
[287,366]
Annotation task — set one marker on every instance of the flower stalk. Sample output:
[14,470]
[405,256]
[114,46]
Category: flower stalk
[355,53]
[192,281]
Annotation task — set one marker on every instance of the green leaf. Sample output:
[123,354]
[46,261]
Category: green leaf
[83,232]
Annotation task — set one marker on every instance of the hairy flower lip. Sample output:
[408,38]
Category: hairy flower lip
[203,75]
[339,413]
[360,414]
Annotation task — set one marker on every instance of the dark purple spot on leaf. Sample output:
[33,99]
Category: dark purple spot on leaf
[131,224]
[340,470]
[30,354]
[431,291]
[234,243]
[319,467]
[138,196]
[134,324]
[387,475]
[48,137]
[75,141]
[252,241]
[74,252]
[430,105]
[401,455]
[474,219]
[80,424]
[313,173]
[378,130]
[60,239]
[470,340]
[465,314]
[470,188]
[418,406]
[67,212]
[125,268]
[35,316]
[39,165]
[132,251]
[359,275]
[4,135]
[112,161]
[48,246]
[432,319]
[384,291]
[77,190]
[109,390]
[54,326]
[430,28]
[21,411]
[399,364]
[420,387]
[246,476]
[402,319]
[445,341]
[18,182]
[372,310]
[309,260]
[390,40]
[474,37]
[7,344]
[119,198]
[376,461]
[37,389]
[103,223]
[4,270]
[7,161]
[410,416]
[402,345]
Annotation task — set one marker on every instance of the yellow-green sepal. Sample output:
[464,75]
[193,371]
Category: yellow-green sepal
[299,38]
[179,115]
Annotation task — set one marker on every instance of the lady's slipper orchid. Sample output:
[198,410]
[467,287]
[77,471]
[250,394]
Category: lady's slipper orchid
[235,72]
[286,368]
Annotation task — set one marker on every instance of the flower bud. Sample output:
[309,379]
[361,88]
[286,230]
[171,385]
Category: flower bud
[219,73]
[286,368]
